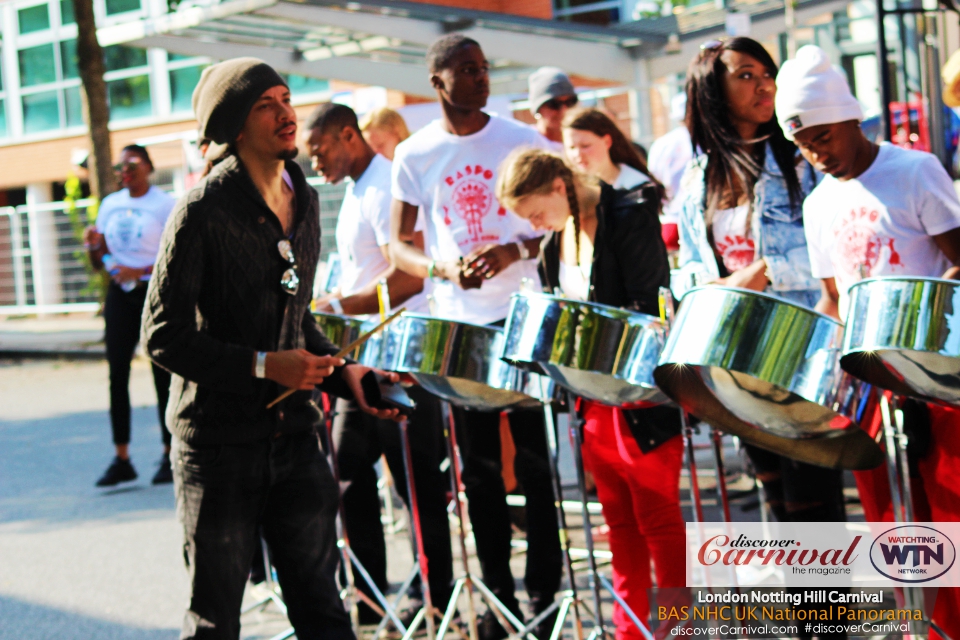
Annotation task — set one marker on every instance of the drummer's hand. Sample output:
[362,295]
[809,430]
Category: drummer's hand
[352,374]
[453,271]
[753,277]
[953,273]
[489,260]
[299,369]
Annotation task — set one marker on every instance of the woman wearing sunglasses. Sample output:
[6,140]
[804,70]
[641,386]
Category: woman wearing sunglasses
[125,241]
[741,225]
[604,245]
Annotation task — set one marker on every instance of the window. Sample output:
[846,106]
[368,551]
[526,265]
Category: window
[73,106]
[68,59]
[66,12]
[36,18]
[305,84]
[117,57]
[3,119]
[129,98]
[122,6]
[37,65]
[182,83]
[41,112]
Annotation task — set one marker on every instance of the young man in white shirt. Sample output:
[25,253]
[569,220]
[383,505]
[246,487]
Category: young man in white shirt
[879,211]
[478,253]
[339,153]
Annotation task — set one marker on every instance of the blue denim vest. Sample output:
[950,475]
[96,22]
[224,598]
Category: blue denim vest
[778,232]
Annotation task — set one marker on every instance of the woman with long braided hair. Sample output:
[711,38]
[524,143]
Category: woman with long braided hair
[603,245]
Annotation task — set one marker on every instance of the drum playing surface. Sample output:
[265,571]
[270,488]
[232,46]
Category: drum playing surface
[767,371]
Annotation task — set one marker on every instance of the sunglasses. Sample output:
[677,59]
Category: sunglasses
[129,165]
[711,45]
[556,103]
[289,281]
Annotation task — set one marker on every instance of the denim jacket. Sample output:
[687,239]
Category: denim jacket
[778,232]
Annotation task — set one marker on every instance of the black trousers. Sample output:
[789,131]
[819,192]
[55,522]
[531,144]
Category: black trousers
[360,439]
[800,482]
[478,435]
[227,495]
[121,313]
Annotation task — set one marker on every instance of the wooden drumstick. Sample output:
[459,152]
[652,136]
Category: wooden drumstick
[347,349]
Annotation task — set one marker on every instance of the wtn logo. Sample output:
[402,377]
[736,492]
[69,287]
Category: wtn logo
[912,553]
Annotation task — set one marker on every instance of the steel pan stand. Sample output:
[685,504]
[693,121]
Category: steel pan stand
[597,580]
[467,582]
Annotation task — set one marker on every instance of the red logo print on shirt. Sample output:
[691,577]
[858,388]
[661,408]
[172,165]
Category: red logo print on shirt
[736,252]
[859,249]
[472,199]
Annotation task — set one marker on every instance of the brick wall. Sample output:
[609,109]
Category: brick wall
[529,8]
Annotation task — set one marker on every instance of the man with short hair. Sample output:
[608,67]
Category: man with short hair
[879,211]
[551,95]
[478,254]
[228,313]
[340,153]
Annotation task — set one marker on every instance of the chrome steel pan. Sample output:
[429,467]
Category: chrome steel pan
[461,363]
[768,371]
[903,334]
[598,352]
[340,330]
[382,350]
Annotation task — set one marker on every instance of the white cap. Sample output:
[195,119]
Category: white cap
[811,92]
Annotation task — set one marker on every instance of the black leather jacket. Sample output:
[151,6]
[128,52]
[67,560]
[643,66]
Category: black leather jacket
[629,267]
[215,300]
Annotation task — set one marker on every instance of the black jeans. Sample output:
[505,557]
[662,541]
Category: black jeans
[121,314]
[360,439]
[225,493]
[478,434]
[801,484]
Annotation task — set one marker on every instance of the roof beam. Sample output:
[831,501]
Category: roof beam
[595,59]
[406,78]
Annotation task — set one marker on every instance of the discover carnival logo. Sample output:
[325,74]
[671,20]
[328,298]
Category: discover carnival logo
[912,553]
[742,550]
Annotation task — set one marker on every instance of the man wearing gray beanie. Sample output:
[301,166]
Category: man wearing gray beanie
[551,95]
[228,313]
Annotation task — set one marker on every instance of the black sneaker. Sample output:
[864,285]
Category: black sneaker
[118,471]
[164,474]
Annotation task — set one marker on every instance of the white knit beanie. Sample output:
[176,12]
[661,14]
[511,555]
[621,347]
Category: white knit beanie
[811,92]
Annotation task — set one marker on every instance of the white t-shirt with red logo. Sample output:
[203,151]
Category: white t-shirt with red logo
[453,178]
[880,223]
[734,242]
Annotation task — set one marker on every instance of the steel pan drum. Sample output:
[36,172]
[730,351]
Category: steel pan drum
[340,330]
[768,371]
[903,334]
[382,350]
[461,363]
[598,352]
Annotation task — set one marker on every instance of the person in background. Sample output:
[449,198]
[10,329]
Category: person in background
[669,156]
[880,211]
[596,146]
[741,225]
[478,253]
[603,245]
[384,129]
[125,241]
[340,154]
[551,95]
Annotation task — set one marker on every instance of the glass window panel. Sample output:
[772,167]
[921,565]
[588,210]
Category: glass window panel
[182,84]
[34,18]
[37,65]
[71,102]
[119,6]
[304,84]
[3,119]
[66,12]
[117,57]
[41,112]
[129,98]
[68,59]
[174,57]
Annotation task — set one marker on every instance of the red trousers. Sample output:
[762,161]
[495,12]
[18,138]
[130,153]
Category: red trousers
[935,488]
[640,496]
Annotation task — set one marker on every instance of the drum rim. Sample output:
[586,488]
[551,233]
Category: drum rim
[342,316]
[911,279]
[762,294]
[427,316]
[550,296]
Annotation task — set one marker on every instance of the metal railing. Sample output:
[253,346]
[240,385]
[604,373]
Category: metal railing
[43,264]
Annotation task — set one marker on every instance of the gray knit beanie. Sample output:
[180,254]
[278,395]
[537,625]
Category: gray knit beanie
[226,93]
